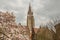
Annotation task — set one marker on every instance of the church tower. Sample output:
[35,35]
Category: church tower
[30,22]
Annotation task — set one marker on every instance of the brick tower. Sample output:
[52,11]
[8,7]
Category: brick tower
[30,22]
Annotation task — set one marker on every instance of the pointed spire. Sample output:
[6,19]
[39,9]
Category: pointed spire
[30,11]
[29,7]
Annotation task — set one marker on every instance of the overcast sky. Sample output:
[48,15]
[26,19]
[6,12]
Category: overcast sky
[45,11]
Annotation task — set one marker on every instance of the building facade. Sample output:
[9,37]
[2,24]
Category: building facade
[57,35]
[44,34]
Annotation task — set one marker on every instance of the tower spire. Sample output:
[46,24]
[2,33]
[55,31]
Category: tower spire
[29,7]
[30,10]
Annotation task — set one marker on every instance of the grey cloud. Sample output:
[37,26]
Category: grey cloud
[50,9]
